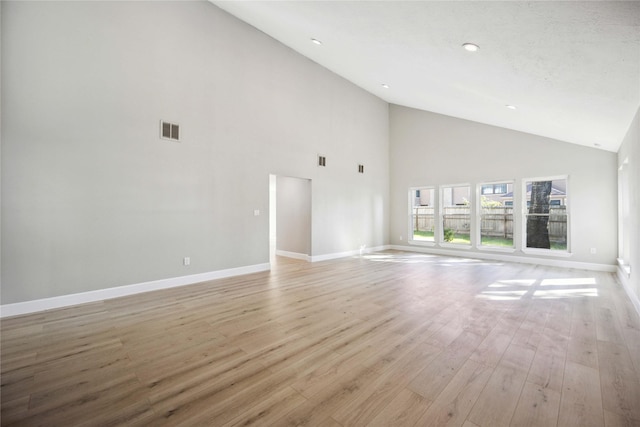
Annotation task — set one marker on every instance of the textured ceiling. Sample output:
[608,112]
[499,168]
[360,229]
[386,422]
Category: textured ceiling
[572,68]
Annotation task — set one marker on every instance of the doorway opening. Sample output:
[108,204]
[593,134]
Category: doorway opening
[289,217]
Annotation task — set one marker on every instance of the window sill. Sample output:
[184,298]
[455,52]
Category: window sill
[497,249]
[547,252]
[455,246]
[421,243]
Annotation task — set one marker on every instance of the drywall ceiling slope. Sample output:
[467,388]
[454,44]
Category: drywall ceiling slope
[571,68]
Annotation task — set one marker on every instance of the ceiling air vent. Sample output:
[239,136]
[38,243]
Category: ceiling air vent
[169,131]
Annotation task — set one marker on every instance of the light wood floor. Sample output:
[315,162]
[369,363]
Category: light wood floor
[387,339]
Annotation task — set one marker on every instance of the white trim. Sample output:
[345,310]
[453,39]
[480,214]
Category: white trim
[488,248]
[460,246]
[624,268]
[624,280]
[547,252]
[425,243]
[478,215]
[357,252]
[525,211]
[497,257]
[33,306]
[294,255]
[433,198]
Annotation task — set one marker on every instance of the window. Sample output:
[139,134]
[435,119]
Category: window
[495,215]
[494,189]
[422,219]
[455,214]
[546,219]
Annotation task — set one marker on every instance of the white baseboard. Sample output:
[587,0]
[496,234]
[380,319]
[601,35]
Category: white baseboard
[509,258]
[294,255]
[624,280]
[326,257]
[34,306]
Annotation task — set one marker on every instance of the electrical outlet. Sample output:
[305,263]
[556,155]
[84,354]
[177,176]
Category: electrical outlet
[256,212]
[186,260]
[401,237]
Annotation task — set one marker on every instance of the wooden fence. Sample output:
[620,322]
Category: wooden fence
[558,224]
[495,221]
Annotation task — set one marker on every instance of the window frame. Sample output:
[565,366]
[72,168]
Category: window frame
[478,214]
[440,223]
[411,198]
[525,212]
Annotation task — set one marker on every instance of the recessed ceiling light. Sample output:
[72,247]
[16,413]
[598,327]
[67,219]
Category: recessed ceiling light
[471,47]
[511,107]
[316,41]
[384,85]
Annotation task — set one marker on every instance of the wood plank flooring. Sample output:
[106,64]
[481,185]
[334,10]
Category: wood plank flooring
[391,338]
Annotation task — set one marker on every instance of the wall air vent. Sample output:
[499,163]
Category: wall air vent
[360,168]
[169,131]
[322,161]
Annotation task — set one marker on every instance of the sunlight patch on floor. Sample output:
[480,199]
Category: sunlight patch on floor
[569,282]
[575,287]
[426,259]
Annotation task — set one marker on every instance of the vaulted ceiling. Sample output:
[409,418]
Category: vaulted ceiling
[570,70]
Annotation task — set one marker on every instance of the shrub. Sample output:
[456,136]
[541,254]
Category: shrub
[448,235]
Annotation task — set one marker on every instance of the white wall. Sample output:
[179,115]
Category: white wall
[92,198]
[293,225]
[429,149]
[630,152]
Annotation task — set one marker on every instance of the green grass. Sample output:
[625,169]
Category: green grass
[428,236]
[461,239]
[423,235]
[498,242]
[502,242]
[559,246]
